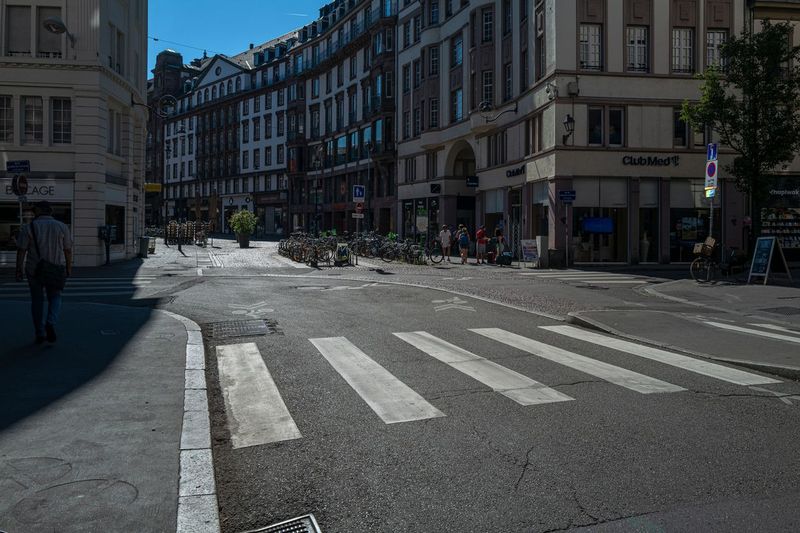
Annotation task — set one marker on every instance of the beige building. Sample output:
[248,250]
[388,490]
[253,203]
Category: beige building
[69,75]
[503,104]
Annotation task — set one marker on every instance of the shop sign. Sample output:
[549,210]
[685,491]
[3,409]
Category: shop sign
[472,181]
[39,190]
[530,252]
[519,171]
[651,161]
[152,187]
[784,192]
[269,198]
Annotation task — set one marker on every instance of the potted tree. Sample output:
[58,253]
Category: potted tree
[243,223]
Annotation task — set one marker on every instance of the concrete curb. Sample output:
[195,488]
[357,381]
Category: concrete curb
[198,510]
[788,372]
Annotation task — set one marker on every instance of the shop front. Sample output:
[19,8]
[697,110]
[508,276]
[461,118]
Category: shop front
[780,216]
[59,192]
[689,218]
[272,213]
[599,217]
[230,205]
[421,218]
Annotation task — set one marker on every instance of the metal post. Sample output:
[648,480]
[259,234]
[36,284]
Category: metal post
[566,235]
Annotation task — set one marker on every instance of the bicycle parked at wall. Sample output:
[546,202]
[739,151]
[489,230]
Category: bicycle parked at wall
[706,268]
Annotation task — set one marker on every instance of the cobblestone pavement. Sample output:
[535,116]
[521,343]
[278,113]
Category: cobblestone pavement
[550,292]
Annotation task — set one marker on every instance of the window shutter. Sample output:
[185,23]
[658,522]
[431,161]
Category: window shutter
[18,28]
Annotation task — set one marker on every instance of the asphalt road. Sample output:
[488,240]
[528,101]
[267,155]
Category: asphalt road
[664,450]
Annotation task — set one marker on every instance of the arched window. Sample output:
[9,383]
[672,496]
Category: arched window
[205,95]
[199,98]
[230,87]
[221,89]
[238,84]
[214,93]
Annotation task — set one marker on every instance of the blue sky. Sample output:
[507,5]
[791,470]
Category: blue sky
[226,27]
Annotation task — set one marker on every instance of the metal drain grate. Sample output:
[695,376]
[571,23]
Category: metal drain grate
[242,328]
[302,524]
[783,310]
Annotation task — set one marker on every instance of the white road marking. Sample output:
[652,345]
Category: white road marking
[391,399]
[697,366]
[256,412]
[610,282]
[507,382]
[767,334]
[70,293]
[776,328]
[199,271]
[613,374]
[451,303]
[587,275]
[84,284]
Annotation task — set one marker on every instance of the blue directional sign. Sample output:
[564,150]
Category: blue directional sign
[567,196]
[359,191]
[711,152]
[19,166]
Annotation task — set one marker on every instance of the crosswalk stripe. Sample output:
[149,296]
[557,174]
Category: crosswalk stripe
[66,294]
[391,399]
[611,281]
[697,366]
[256,411]
[776,328]
[766,334]
[613,374]
[588,275]
[505,381]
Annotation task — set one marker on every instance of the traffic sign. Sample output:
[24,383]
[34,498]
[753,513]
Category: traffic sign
[19,166]
[711,152]
[711,175]
[359,207]
[567,196]
[358,215]
[359,192]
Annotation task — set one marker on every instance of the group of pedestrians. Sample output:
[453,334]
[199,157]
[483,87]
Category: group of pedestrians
[463,240]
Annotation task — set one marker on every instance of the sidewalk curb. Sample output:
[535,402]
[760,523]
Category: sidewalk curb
[198,509]
[788,372]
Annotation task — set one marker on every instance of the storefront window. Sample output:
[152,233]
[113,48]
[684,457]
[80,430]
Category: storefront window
[115,216]
[600,220]
[781,215]
[648,221]
[10,222]
[689,218]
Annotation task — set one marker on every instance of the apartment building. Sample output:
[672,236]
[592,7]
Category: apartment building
[69,73]
[503,104]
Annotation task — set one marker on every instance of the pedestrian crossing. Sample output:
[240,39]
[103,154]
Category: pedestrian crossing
[258,415]
[585,277]
[785,335]
[85,287]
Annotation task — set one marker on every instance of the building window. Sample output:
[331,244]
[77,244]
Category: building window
[191,168]
[268,155]
[448,8]
[433,118]
[407,34]
[279,133]
[456,51]
[115,216]
[47,44]
[256,129]
[616,121]
[417,121]
[245,132]
[33,120]
[268,126]
[433,60]
[433,14]
[406,124]
[456,105]
[280,97]
[18,31]
[508,87]
[353,67]
[487,91]
[268,101]
[683,50]
[432,165]
[417,73]
[487,16]
[590,47]
[680,130]
[638,50]
[595,126]
[280,154]
[714,41]
[340,74]
[246,107]
[523,71]
[6,120]
[256,158]
[410,169]
[507,17]
[406,78]
[191,144]
[256,104]
[61,117]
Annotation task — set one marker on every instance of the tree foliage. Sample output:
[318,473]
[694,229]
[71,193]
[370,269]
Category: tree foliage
[751,102]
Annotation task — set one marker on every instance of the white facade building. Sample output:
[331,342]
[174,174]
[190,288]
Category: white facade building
[66,106]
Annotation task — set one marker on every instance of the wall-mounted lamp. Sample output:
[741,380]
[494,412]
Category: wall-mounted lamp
[57,26]
[569,127]
[486,109]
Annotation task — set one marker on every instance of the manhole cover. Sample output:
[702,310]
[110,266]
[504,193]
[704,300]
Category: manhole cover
[303,524]
[783,310]
[241,328]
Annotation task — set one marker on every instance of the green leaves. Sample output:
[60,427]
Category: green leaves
[751,103]
[243,222]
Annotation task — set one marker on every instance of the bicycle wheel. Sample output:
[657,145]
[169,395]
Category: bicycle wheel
[700,269]
[388,255]
[435,255]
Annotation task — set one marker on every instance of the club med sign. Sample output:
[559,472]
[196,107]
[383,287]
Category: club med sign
[651,161]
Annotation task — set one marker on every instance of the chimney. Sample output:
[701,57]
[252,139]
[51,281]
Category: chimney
[251,46]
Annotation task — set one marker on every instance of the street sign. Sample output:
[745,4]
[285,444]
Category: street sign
[358,215]
[359,207]
[359,192]
[567,196]
[711,175]
[711,152]
[472,181]
[19,166]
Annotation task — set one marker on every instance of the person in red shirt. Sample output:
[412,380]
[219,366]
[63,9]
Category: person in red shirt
[481,241]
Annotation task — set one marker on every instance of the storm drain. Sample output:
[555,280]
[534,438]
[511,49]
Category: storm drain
[303,524]
[788,311]
[241,328]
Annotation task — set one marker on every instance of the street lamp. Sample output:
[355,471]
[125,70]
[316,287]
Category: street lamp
[569,127]
[486,108]
[57,26]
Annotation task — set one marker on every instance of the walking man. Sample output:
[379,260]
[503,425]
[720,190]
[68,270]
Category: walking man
[44,247]
[446,238]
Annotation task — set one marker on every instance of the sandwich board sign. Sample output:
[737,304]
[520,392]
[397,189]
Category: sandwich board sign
[763,255]
[530,253]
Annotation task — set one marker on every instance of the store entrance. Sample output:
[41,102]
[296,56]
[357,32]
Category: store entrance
[600,234]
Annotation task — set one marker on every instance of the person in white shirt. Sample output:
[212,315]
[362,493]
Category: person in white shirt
[446,238]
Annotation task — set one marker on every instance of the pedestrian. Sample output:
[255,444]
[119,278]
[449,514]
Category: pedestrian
[480,246]
[463,243]
[446,238]
[44,247]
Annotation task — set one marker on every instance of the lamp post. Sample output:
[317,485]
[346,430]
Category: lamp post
[56,25]
[569,127]
[486,109]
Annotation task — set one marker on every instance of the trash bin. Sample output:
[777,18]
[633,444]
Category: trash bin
[144,246]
